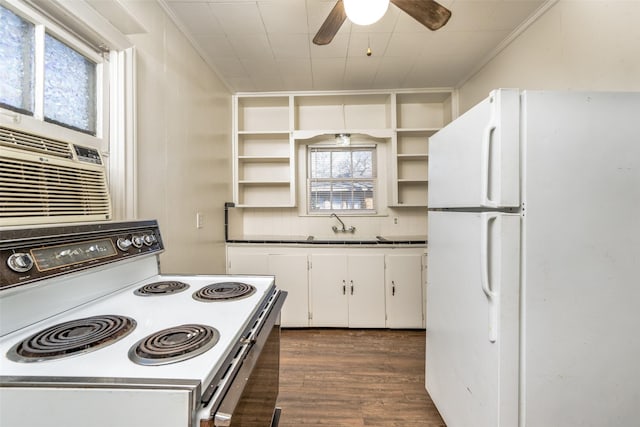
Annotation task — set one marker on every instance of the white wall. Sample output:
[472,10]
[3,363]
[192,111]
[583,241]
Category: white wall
[293,223]
[575,45]
[184,144]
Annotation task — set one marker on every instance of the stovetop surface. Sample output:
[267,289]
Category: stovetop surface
[151,313]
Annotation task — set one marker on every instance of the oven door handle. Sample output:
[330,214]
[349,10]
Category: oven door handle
[224,414]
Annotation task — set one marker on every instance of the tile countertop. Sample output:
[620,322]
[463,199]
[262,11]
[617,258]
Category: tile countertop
[337,240]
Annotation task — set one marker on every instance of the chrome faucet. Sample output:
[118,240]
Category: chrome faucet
[335,229]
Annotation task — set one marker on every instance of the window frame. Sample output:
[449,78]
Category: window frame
[36,122]
[374,211]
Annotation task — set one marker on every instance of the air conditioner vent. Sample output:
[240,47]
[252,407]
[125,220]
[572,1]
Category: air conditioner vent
[39,188]
[22,140]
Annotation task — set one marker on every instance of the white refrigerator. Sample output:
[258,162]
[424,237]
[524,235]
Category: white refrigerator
[533,270]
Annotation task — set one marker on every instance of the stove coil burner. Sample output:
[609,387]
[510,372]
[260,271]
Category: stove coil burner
[72,338]
[174,344]
[161,288]
[224,291]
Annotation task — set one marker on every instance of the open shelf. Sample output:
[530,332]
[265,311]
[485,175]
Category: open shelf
[264,194]
[263,113]
[424,110]
[412,193]
[357,111]
[267,127]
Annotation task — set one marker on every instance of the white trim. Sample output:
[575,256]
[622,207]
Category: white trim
[131,132]
[89,23]
[38,64]
[102,107]
[122,141]
[116,137]
[388,92]
[507,41]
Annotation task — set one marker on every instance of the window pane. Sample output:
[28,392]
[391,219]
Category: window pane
[350,195]
[362,164]
[320,198]
[69,87]
[320,164]
[341,164]
[342,195]
[16,62]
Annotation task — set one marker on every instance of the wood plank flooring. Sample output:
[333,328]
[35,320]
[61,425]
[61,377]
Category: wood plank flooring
[354,378]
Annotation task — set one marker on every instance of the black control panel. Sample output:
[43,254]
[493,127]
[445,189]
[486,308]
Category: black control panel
[29,255]
[89,155]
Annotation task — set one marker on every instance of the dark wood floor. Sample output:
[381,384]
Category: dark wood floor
[353,377]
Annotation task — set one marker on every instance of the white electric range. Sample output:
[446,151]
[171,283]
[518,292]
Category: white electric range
[92,334]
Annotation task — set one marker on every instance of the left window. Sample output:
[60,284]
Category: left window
[47,74]
[69,87]
[17,62]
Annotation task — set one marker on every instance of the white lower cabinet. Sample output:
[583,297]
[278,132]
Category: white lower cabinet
[404,293]
[347,291]
[290,271]
[291,276]
[248,263]
[373,287]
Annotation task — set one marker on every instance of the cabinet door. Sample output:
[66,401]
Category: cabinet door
[328,299]
[404,291]
[365,288]
[291,275]
[248,263]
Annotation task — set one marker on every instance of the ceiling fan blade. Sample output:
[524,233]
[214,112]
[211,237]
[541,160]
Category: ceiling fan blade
[427,12]
[331,25]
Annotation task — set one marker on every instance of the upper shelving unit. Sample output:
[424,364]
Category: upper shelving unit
[267,126]
[423,110]
[418,115]
[263,156]
[263,114]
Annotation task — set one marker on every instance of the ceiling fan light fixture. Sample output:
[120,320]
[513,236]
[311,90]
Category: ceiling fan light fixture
[365,12]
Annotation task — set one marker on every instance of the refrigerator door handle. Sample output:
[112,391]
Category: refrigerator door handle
[485,169]
[485,258]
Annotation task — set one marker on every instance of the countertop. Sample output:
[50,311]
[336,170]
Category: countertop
[337,240]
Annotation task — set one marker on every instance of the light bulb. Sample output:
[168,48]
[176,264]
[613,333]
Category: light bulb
[365,12]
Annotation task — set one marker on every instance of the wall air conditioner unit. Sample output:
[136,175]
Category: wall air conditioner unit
[44,180]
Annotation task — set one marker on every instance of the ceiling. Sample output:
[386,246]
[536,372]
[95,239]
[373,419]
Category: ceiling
[265,45]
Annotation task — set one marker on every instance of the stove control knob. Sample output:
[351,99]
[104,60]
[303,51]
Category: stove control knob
[123,244]
[20,262]
[149,239]
[137,241]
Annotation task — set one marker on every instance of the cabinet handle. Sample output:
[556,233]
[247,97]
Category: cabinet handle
[393,288]
[344,287]
[351,281]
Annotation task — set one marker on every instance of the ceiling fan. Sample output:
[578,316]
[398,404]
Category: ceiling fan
[427,12]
